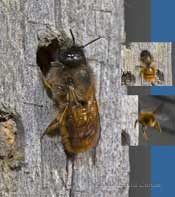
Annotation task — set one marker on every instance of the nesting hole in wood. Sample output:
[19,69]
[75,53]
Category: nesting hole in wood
[11,140]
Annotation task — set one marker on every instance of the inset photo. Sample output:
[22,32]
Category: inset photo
[147,64]
[156,120]
[150,121]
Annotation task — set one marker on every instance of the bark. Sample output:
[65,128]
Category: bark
[129,116]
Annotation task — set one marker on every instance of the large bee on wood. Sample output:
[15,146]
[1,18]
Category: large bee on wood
[70,83]
[149,72]
[148,119]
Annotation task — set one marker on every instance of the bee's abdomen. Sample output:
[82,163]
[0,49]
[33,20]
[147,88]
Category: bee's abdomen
[149,77]
[149,74]
[80,132]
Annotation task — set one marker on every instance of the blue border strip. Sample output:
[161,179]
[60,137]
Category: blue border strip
[163,90]
[162,20]
[162,171]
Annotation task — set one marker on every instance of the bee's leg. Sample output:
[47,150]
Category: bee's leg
[60,118]
[52,130]
[54,127]
[46,83]
[157,126]
[145,133]
[153,84]
[47,86]
[70,157]
[73,98]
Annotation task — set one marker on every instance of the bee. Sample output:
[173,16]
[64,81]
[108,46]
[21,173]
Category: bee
[148,119]
[148,71]
[70,83]
[128,78]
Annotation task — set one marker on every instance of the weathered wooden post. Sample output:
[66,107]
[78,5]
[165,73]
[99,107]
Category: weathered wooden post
[43,172]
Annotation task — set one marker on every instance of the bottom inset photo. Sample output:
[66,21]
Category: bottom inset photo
[153,121]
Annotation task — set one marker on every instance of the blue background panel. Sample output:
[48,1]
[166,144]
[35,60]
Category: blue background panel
[162,20]
[163,90]
[162,171]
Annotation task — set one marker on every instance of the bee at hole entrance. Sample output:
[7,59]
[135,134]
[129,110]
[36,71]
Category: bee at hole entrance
[70,83]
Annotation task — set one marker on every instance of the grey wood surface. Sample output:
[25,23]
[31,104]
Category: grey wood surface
[129,116]
[162,54]
[44,172]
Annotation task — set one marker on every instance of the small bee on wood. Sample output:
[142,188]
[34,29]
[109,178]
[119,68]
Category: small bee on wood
[149,72]
[128,78]
[70,83]
[125,138]
[148,119]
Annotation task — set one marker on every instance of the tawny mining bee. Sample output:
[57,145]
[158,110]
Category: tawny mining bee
[70,83]
[149,72]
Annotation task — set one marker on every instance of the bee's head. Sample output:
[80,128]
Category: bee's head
[146,57]
[74,56]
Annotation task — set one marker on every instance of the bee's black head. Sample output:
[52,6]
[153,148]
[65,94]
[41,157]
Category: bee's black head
[74,56]
[146,57]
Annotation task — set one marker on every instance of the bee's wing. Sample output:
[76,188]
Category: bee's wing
[158,109]
[133,78]
[139,67]
[163,117]
[83,123]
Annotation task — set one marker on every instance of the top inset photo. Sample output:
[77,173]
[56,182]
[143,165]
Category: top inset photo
[147,64]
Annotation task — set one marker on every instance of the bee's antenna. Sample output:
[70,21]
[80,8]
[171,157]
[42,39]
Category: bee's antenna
[73,38]
[90,42]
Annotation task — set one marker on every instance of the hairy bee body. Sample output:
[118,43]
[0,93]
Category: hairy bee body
[70,83]
[81,126]
[147,120]
[148,71]
[60,78]
[74,89]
